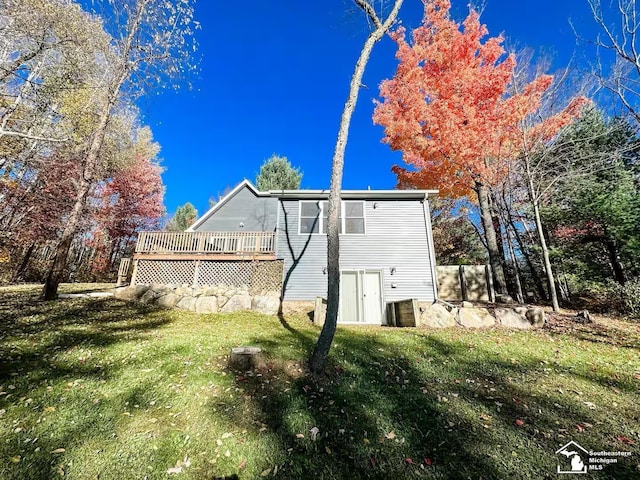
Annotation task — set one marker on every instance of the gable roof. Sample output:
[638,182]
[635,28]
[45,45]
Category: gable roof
[243,184]
[312,194]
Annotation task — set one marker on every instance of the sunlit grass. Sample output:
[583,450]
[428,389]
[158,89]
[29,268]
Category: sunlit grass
[95,388]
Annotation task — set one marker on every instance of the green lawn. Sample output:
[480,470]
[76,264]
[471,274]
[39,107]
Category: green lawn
[94,388]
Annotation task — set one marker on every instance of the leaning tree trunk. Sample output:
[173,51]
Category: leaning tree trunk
[495,256]
[551,283]
[323,344]
[72,224]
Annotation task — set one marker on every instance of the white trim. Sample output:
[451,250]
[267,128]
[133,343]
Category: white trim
[354,194]
[343,217]
[360,273]
[319,222]
[343,224]
[432,250]
[225,199]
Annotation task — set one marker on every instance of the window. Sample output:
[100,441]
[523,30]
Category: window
[314,217]
[353,215]
[325,217]
[309,217]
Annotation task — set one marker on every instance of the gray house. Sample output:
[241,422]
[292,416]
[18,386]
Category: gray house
[386,244]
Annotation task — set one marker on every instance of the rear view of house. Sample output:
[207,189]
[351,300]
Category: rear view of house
[386,244]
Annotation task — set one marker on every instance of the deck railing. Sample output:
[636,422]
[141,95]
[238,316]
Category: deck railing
[238,243]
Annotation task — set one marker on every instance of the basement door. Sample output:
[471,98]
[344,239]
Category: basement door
[361,296]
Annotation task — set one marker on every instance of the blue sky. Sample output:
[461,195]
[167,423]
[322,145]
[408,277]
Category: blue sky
[274,77]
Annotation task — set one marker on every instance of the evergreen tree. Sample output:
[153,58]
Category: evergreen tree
[276,173]
[184,217]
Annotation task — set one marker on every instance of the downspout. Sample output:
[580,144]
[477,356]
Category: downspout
[432,251]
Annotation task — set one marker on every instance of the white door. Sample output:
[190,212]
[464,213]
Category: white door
[372,297]
[350,298]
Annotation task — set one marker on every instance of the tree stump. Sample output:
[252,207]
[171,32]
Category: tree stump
[246,358]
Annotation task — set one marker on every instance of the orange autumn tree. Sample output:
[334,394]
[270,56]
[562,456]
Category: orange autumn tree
[447,109]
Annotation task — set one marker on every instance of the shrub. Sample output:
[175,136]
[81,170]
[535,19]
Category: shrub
[630,296]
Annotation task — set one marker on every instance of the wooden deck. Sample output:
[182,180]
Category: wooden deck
[205,246]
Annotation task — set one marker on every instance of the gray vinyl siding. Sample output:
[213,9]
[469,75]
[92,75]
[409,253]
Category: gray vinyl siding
[258,214]
[396,236]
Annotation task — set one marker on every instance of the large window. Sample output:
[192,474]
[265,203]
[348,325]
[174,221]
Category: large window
[313,217]
[310,217]
[353,215]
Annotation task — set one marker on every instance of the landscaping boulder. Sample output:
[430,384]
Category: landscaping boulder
[466,304]
[184,291]
[130,293]
[535,315]
[436,316]
[187,303]
[521,310]
[207,305]
[504,298]
[237,303]
[475,318]
[508,317]
[266,304]
[150,296]
[168,301]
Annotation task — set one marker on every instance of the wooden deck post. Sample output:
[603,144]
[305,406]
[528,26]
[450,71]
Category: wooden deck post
[196,274]
[135,272]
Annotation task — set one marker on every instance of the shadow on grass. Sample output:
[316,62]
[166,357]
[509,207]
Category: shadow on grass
[35,340]
[31,330]
[427,409]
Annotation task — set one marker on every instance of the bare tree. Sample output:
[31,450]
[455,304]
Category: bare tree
[152,41]
[620,36]
[380,27]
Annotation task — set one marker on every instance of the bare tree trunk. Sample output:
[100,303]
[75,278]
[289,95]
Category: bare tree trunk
[514,262]
[527,257]
[551,283]
[91,162]
[614,259]
[323,345]
[495,255]
[24,263]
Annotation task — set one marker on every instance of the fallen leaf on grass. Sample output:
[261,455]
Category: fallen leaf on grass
[428,461]
[327,449]
[579,427]
[299,435]
[390,436]
[626,440]
[59,450]
[226,435]
[591,405]
[174,470]
[16,459]
[266,472]
[243,464]
[519,422]
[49,409]
[314,433]
[409,461]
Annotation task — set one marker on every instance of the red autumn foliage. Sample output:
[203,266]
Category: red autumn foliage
[128,202]
[447,107]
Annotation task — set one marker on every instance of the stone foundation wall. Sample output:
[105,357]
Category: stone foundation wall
[205,299]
